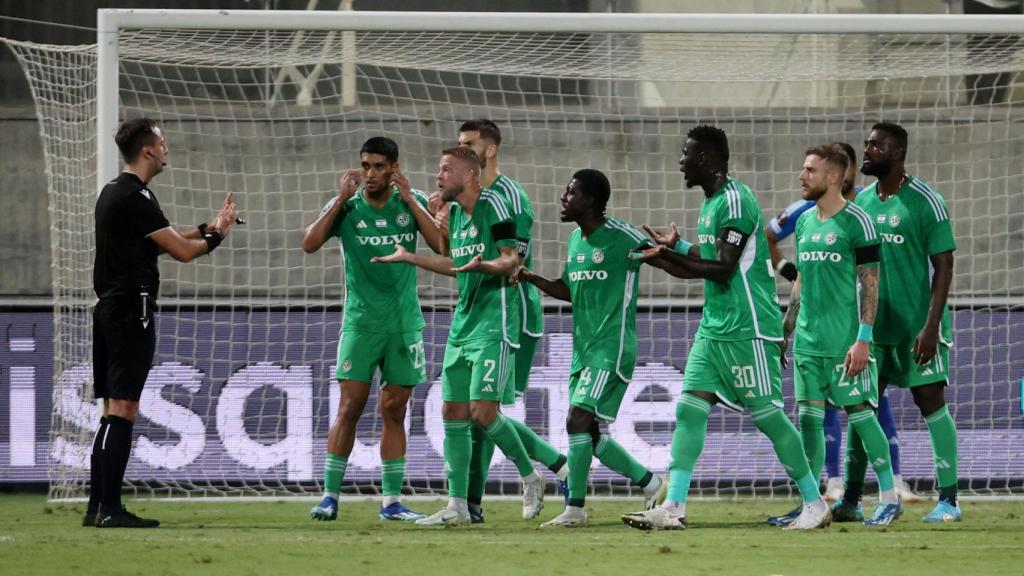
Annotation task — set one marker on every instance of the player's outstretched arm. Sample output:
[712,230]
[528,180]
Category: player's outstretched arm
[857,357]
[554,288]
[730,245]
[927,341]
[503,265]
[316,234]
[185,249]
[432,262]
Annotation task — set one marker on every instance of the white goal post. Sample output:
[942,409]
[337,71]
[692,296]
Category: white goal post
[242,392]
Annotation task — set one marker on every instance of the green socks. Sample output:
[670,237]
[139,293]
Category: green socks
[875,444]
[334,473]
[942,430]
[536,447]
[786,441]
[581,455]
[458,445]
[687,443]
[812,430]
[479,464]
[504,435]
[615,458]
[392,476]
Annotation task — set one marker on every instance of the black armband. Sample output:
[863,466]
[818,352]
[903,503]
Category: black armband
[503,231]
[868,254]
[213,239]
[522,247]
[202,229]
[788,271]
[733,237]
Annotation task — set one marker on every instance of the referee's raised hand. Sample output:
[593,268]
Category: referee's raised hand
[226,216]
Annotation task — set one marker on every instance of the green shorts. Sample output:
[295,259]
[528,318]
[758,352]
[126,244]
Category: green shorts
[524,362]
[597,391]
[478,371]
[896,365]
[399,357]
[741,373]
[824,379]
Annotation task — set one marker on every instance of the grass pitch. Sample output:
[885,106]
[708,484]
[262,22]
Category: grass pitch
[228,538]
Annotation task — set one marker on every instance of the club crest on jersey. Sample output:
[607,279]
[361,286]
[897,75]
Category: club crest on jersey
[894,220]
[361,225]
[346,365]
[473,231]
[830,238]
[402,220]
[598,256]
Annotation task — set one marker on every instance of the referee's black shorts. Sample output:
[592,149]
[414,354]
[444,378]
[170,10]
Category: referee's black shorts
[123,347]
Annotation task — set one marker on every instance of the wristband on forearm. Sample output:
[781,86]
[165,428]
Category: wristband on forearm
[787,270]
[864,333]
[213,239]
[683,246]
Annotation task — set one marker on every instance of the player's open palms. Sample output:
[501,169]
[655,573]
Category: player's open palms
[470,266]
[665,239]
[399,255]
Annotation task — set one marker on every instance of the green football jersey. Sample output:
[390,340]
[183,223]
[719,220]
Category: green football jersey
[826,255]
[488,308]
[602,282]
[748,306]
[378,297]
[531,313]
[914,224]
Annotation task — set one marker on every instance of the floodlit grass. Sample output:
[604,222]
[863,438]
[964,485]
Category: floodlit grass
[244,538]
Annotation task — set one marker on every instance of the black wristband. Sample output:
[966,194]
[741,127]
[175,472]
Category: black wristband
[213,239]
[788,271]
[202,229]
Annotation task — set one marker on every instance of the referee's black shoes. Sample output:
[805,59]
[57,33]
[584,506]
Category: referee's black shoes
[122,519]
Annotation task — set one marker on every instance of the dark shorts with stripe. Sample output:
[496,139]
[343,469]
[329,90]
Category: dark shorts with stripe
[123,344]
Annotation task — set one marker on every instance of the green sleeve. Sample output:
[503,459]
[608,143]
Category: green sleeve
[742,215]
[939,231]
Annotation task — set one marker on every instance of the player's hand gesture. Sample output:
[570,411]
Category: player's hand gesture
[925,345]
[649,254]
[399,181]
[435,203]
[348,184]
[470,266]
[784,346]
[399,255]
[520,274]
[665,239]
[857,358]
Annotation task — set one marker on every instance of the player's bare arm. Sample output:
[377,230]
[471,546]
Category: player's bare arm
[730,245]
[857,356]
[927,340]
[433,262]
[503,265]
[316,234]
[554,288]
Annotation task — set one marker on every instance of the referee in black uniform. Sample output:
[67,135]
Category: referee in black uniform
[131,231]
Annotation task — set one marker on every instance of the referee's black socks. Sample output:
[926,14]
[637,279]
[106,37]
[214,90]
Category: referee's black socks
[96,468]
[116,446]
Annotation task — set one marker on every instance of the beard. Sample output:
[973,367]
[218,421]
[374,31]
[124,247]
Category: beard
[815,194]
[877,168]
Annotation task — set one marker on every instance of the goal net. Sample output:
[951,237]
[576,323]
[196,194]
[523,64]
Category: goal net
[242,393]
